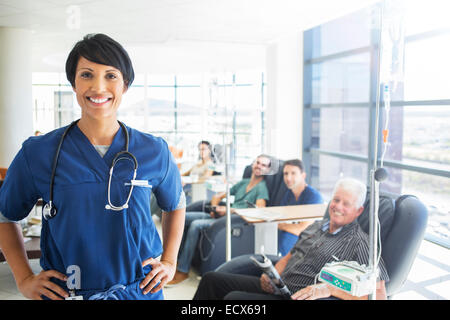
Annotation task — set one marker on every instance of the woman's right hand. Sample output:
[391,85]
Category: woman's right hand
[35,286]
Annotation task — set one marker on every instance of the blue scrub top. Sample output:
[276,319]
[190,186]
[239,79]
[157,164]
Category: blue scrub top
[107,246]
[309,195]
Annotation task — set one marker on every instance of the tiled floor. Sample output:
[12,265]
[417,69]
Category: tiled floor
[429,278]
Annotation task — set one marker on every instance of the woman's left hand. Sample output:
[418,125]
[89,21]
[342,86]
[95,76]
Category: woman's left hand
[162,272]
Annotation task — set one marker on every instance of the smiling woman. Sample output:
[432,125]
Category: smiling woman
[100,72]
[70,174]
[99,91]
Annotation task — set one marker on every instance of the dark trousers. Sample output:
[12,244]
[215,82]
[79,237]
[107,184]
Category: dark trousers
[202,206]
[228,286]
[198,206]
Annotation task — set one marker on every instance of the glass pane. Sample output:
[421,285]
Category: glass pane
[47,99]
[161,110]
[189,121]
[194,110]
[133,108]
[341,130]
[47,78]
[247,97]
[333,37]
[342,80]
[161,122]
[161,79]
[133,98]
[190,97]
[223,78]
[420,136]
[432,190]
[330,169]
[139,79]
[427,68]
[224,96]
[249,77]
[422,16]
[189,79]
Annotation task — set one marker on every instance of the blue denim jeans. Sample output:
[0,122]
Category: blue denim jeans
[194,223]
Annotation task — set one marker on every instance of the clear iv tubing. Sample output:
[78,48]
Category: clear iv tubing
[387,108]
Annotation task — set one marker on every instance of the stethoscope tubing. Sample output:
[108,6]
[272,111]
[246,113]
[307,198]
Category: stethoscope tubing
[50,211]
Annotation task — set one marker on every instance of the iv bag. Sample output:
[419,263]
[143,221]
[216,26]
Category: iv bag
[392,43]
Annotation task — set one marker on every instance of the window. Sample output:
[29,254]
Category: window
[183,109]
[340,90]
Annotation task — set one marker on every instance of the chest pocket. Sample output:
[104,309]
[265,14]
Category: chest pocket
[138,211]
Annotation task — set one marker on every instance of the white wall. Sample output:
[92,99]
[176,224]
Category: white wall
[16,112]
[284,69]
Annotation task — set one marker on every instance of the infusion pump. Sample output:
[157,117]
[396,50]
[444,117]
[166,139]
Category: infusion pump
[349,277]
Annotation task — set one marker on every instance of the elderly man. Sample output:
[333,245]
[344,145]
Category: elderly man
[252,190]
[339,237]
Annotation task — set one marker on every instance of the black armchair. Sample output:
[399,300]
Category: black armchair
[401,245]
[211,249]
[403,221]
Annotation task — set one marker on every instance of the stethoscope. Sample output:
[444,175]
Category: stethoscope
[49,210]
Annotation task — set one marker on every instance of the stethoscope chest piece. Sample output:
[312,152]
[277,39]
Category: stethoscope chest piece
[49,211]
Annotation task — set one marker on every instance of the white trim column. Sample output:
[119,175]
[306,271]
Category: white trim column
[16,107]
[284,118]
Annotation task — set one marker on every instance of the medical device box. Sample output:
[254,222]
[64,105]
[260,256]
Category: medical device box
[349,277]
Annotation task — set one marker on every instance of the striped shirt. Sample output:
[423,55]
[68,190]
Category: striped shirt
[316,246]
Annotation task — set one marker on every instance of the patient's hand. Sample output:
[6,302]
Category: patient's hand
[312,292]
[265,283]
[221,210]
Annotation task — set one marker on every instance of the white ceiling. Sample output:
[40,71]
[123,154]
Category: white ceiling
[166,35]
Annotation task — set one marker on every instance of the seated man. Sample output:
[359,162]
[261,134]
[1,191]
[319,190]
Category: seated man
[253,190]
[339,237]
[299,193]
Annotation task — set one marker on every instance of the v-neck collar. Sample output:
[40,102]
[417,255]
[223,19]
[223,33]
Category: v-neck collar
[97,163]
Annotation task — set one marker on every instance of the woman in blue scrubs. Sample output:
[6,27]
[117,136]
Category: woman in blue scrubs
[100,244]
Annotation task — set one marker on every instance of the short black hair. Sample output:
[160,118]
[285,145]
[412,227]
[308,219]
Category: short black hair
[295,162]
[207,143]
[100,48]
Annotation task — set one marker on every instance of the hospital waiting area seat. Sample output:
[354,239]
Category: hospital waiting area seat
[403,221]
[211,248]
